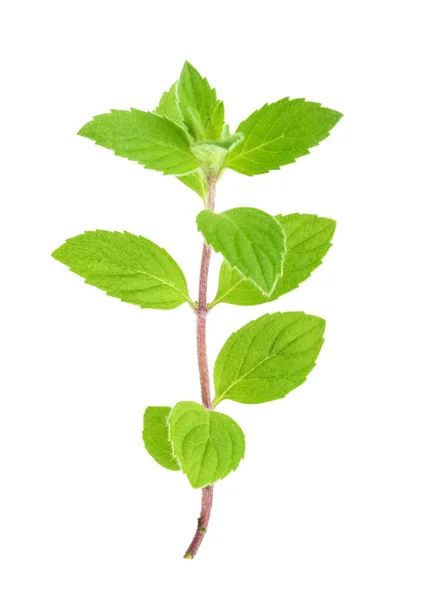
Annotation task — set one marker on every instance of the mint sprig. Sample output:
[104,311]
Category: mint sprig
[264,256]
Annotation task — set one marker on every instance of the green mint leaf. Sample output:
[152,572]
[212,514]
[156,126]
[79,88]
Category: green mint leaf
[208,445]
[195,181]
[153,141]
[126,266]
[202,112]
[308,238]
[268,357]
[156,436]
[250,240]
[279,133]
[168,106]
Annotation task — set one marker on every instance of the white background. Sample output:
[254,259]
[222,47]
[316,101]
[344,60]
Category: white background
[327,503]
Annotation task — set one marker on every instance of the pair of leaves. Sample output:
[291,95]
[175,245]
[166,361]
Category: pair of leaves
[126,266]
[192,105]
[265,256]
[308,238]
[263,361]
[205,444]
[262,253]
[186,135]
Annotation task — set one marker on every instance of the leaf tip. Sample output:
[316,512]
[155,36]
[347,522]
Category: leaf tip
[187,66]
[56,254]
[85,131]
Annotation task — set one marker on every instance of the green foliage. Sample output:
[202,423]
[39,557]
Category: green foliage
[208,445]
[156,436]
[308,239]
[126,266]
[202,112]
[264,258]
[268,357]
[279,133]
[250,240]
[168,106]
[151,140]
[187,133]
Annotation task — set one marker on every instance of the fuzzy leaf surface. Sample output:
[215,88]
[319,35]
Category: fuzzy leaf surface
[268,358]
[279,133]
[126,266]
[250,240]
[308,238]
[155,436]
[202,112]
[211,153]
[147,138]
[208,444]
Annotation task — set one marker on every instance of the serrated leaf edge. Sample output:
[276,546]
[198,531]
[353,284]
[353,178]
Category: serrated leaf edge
[247,137]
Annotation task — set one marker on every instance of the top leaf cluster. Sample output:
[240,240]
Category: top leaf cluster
[265,256]
[187,135]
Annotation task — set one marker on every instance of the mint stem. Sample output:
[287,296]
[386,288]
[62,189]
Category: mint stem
[202,525]
[202,359]
[201,314]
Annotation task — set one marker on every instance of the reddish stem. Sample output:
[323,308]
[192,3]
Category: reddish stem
[202,359]
[202,523]
[201,313]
